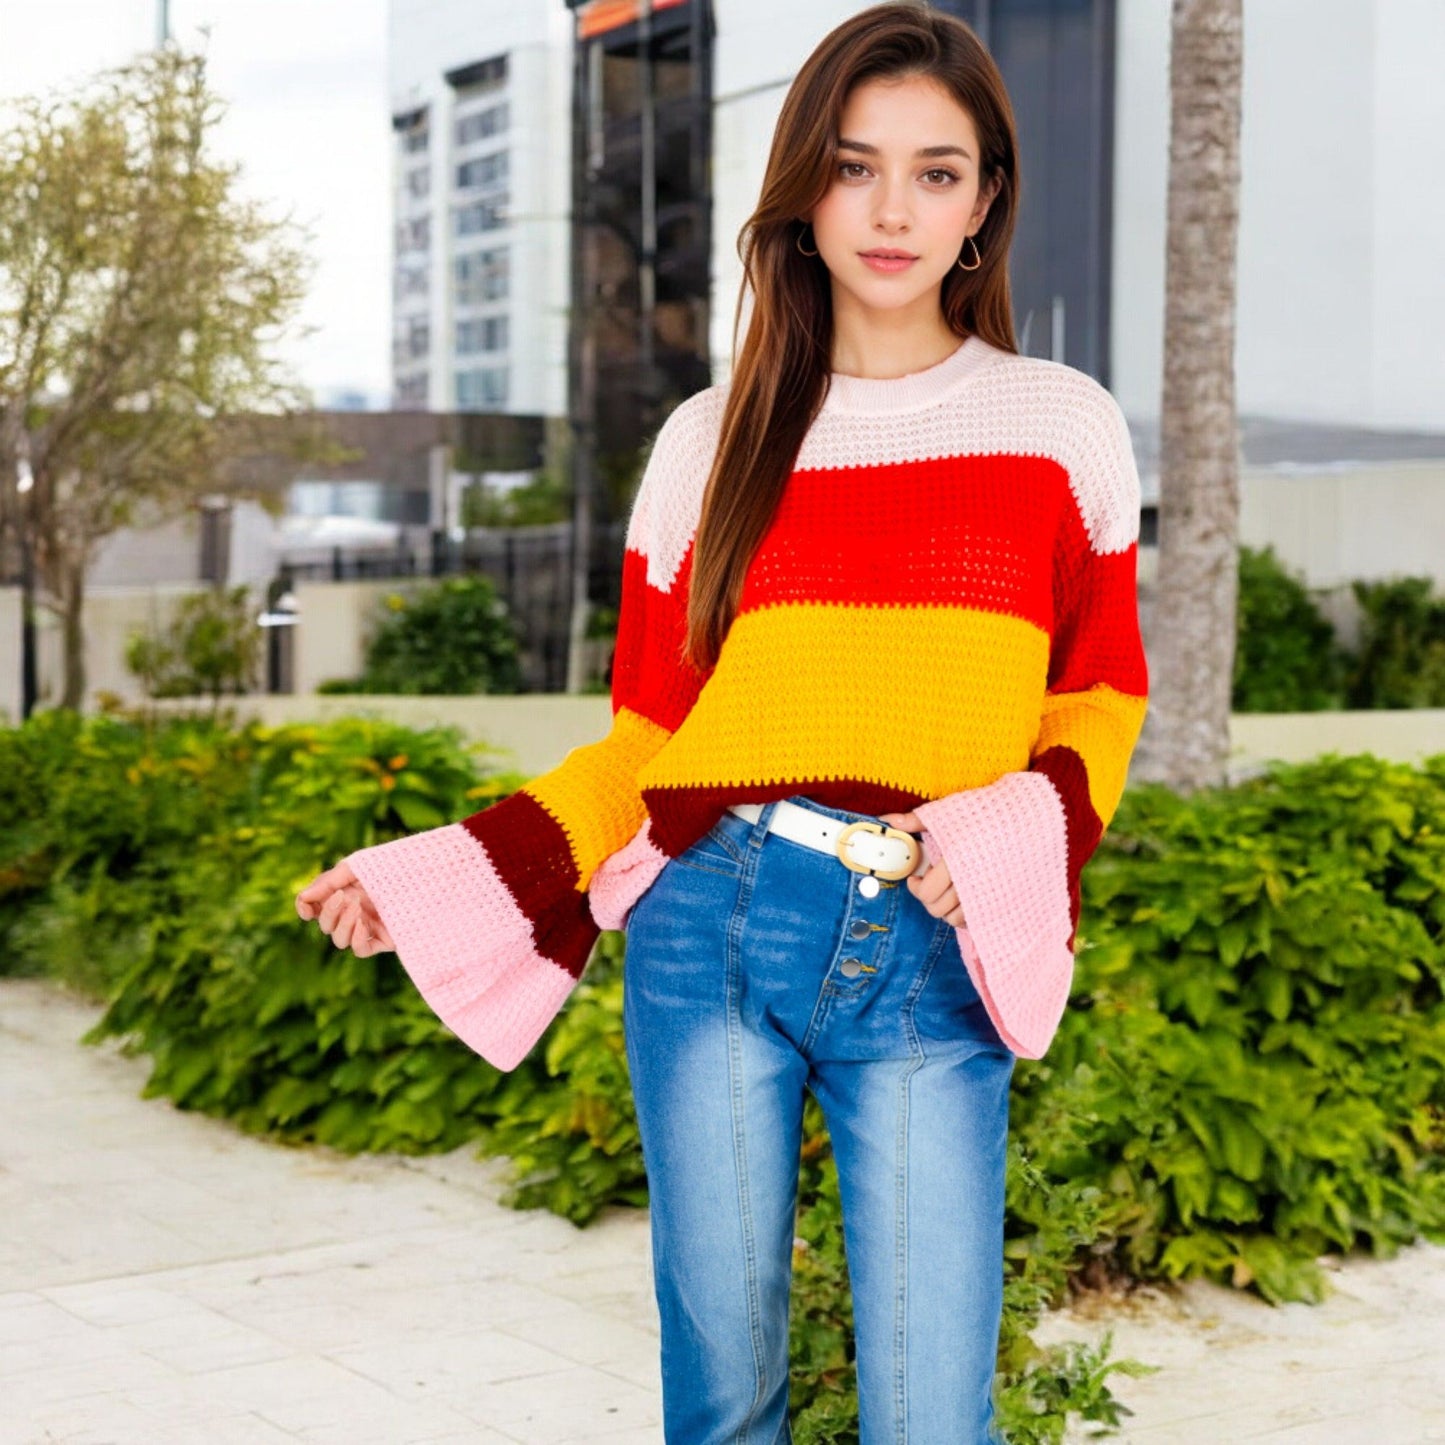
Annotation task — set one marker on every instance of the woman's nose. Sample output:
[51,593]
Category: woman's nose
[891,208]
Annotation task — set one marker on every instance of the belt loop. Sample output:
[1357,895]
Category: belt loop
[765,818]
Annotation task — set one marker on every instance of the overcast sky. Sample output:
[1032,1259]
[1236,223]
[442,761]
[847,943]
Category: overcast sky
[308,119]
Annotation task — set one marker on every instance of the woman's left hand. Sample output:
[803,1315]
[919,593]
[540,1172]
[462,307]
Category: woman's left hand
[933,887]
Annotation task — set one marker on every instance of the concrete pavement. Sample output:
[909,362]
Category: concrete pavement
[167,1280]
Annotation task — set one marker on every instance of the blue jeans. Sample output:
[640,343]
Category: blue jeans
[756,968]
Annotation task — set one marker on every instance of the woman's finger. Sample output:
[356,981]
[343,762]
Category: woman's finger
[332,910]
[375,928]
[311,898]
[929,885]
[373,937]
[346,923]
[379,934]
[935,890]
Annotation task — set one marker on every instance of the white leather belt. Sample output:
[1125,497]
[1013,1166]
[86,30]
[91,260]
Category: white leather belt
[865,846]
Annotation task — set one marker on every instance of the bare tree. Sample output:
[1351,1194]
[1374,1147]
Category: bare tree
[1191,657]
[140,299]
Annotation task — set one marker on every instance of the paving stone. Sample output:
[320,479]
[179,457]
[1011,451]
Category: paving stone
[166,1279]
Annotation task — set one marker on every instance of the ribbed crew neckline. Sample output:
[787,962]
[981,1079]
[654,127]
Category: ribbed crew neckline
[870,395]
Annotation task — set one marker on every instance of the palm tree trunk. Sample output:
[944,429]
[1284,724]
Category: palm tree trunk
[1191,654]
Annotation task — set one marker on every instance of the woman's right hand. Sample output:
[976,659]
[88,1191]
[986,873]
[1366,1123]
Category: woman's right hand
[338,902]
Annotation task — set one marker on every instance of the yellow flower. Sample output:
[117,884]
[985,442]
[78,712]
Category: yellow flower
[398,762]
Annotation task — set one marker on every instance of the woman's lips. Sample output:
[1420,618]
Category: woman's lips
[889,263]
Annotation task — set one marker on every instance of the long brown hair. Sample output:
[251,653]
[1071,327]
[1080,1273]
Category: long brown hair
[781,376]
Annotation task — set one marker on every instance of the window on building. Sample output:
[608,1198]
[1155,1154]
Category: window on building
[479,76]
[411,390]
[482,171]
[411,339]
[410,281]
[481,388]
[479,124]
[413,130]
[413,234]
[481,333]
[489,215]
[482,276]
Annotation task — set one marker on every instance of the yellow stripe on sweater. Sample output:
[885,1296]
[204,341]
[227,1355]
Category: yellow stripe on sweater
[942,699]
[592,792]
[1102,725]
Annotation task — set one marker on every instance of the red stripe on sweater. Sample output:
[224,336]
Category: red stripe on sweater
[648,673]
[1065,769]
[1097,637]
[863,536]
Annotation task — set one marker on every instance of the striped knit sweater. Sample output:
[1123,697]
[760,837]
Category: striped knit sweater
[941,618]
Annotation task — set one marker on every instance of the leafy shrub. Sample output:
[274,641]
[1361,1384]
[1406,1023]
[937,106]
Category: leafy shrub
[1400,661]
[210,647]
[1285,657]
[1251,1071]
[1252,1068]
[453,637]
[545,497]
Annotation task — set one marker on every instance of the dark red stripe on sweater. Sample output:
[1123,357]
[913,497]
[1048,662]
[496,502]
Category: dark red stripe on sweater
[680,816]
[533,858]
[1065,769]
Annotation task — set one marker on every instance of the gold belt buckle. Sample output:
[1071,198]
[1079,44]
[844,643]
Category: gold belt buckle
[915,851]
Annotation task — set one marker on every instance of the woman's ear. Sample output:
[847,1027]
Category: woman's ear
[985,200]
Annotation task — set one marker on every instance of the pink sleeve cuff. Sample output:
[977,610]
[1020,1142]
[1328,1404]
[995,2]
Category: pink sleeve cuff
[623,877]
[464,941]
[1006,850]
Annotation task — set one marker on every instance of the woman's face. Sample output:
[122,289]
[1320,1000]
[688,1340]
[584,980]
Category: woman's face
[887,194]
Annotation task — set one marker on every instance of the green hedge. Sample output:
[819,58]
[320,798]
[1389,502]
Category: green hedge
[1287,657]
[454,637]
[1251,1072]
[1253,1065]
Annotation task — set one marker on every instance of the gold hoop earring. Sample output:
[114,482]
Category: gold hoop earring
[978,259]
[798,241]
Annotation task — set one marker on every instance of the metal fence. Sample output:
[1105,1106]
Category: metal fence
[530,567]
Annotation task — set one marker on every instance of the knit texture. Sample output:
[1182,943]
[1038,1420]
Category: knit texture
[941,617]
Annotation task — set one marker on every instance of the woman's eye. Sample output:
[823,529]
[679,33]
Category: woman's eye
[943,175]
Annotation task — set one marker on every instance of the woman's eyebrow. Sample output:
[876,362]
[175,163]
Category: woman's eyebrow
[868,150]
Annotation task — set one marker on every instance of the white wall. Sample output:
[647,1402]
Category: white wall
[1342,211]
[170,552]
[10,681]
[1370,522]
[331,632]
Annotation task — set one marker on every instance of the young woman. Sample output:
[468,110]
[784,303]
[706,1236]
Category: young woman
[878,592]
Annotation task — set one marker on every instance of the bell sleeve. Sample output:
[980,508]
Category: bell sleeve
[491,915]
[1015,848]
